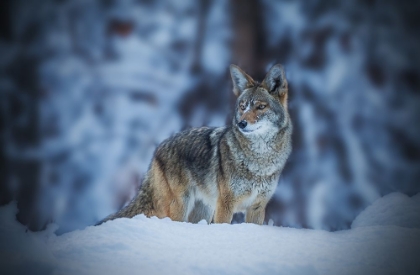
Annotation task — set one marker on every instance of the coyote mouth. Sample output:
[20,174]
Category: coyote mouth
[249,131]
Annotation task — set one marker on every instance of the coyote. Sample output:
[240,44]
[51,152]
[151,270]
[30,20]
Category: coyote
[212,173]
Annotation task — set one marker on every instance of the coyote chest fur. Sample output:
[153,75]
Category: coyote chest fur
[211,173]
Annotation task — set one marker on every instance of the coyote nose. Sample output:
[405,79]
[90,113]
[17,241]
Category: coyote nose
[242,124]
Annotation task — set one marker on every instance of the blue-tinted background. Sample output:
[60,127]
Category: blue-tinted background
[90,88]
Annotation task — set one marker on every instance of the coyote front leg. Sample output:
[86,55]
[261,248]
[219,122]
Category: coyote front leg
[224,210]
[256,212]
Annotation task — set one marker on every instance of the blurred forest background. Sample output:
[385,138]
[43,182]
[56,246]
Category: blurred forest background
[90,88]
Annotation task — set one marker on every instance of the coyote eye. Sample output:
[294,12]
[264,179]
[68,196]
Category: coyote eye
[242,107]
[260,107]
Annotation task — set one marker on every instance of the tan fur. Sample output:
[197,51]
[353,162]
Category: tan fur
[212,173]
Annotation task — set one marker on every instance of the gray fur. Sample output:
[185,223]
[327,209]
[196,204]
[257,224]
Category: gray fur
[211,173]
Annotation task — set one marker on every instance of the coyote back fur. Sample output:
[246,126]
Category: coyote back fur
[211,173]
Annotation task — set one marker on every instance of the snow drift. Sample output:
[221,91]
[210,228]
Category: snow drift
[380,242]
[393,209]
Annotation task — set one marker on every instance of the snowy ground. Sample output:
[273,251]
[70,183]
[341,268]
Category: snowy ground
[384,239]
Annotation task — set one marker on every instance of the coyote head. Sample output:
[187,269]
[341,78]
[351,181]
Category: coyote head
[260,107]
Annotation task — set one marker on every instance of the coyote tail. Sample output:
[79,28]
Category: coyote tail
[142,203]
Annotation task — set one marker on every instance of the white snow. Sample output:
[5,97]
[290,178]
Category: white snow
[379,243]
[393,209]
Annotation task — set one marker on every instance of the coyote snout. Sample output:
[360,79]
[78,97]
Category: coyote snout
[211,173]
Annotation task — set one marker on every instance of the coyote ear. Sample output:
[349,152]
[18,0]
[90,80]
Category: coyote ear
[240,80]
[276,84]
[275,80]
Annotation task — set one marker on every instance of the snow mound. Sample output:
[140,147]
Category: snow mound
[393,209]
[22,252]
[144,245]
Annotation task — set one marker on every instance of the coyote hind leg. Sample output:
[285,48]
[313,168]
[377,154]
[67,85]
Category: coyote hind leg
[180,207]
